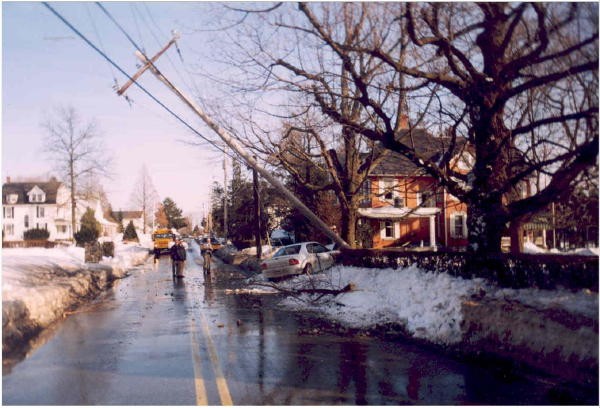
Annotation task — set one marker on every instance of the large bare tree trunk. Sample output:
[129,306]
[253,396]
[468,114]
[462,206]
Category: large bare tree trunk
[516,236]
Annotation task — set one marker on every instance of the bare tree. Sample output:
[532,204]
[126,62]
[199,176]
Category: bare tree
[76,149]
[513,79]
[144,196]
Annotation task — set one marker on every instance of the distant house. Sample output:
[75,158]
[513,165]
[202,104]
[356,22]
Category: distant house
[137,217]
[109,226]
[406,208]
[28,205]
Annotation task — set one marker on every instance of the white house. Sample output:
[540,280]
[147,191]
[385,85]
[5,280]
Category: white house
[27,205]
[45,205]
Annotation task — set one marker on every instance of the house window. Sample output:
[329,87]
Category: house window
[9,229]
[37,197]
[12,198]
[26,221]
[40,212]
[458,225]
[387,189]
[61,229]
[387,229]
[426,198]
[8,212]
[365,192]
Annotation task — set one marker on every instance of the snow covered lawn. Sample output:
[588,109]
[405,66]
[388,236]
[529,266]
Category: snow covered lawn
[39,285]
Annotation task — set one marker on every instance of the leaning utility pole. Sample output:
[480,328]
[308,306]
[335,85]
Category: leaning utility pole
[234,145]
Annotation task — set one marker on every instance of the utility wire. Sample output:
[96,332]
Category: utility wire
[137,26]
[158,41]
[109,15]
[112,71]
[138,48]
[84,38]
[121,28]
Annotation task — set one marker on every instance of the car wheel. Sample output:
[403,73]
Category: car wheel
[308,269]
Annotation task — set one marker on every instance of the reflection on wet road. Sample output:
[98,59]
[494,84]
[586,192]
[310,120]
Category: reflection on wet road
[153,340]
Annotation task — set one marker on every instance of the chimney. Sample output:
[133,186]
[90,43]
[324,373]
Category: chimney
[404,114]
[8,179]
[403,121]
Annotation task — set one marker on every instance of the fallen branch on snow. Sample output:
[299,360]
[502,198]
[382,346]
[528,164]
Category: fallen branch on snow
[297,292]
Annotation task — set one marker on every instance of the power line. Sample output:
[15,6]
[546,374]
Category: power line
[158,41]
[120,28]
[112,72]
[87,41]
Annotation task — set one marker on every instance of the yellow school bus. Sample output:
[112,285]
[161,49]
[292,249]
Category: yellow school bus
[163,240]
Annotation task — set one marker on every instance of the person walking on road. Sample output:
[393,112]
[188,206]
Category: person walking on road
[178,256]
[208,249]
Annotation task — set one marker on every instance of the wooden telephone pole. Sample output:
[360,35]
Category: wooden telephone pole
[234,145]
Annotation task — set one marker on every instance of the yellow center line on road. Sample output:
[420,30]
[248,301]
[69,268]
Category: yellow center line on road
[201,397]
[222,387]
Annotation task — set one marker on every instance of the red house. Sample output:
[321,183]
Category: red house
[406,208]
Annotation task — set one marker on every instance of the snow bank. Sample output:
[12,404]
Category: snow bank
[39,285]
[428,305]
[531,248]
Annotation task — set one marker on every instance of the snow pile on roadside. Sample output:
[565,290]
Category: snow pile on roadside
[126,256]
[583,302]
[427,304]
[531,248]
[39,285]
[587,251]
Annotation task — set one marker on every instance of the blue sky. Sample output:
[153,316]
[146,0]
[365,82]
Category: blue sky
[45,65]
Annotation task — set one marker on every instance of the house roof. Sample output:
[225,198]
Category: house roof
[427,147]
[129,214]
[50,188]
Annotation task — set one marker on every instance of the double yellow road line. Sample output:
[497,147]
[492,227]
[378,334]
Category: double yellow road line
[223,389]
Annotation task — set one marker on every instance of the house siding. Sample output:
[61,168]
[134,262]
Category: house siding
[411,232]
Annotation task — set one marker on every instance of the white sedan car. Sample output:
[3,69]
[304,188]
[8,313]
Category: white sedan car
[295,259]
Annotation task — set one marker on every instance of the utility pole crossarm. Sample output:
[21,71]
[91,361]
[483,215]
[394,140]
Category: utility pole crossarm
[143,69]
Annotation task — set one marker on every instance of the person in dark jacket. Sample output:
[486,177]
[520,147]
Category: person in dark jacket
[178,256]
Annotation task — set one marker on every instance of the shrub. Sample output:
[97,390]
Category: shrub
[36,234]
[85,235]
[90,228]
[130,234]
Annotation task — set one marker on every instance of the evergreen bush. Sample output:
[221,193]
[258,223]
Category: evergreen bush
[90,228]
[130,234]
[36,234]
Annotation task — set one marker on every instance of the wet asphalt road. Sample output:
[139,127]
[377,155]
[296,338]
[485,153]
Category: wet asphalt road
[152,340]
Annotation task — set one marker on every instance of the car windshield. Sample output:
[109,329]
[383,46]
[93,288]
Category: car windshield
[288,250]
